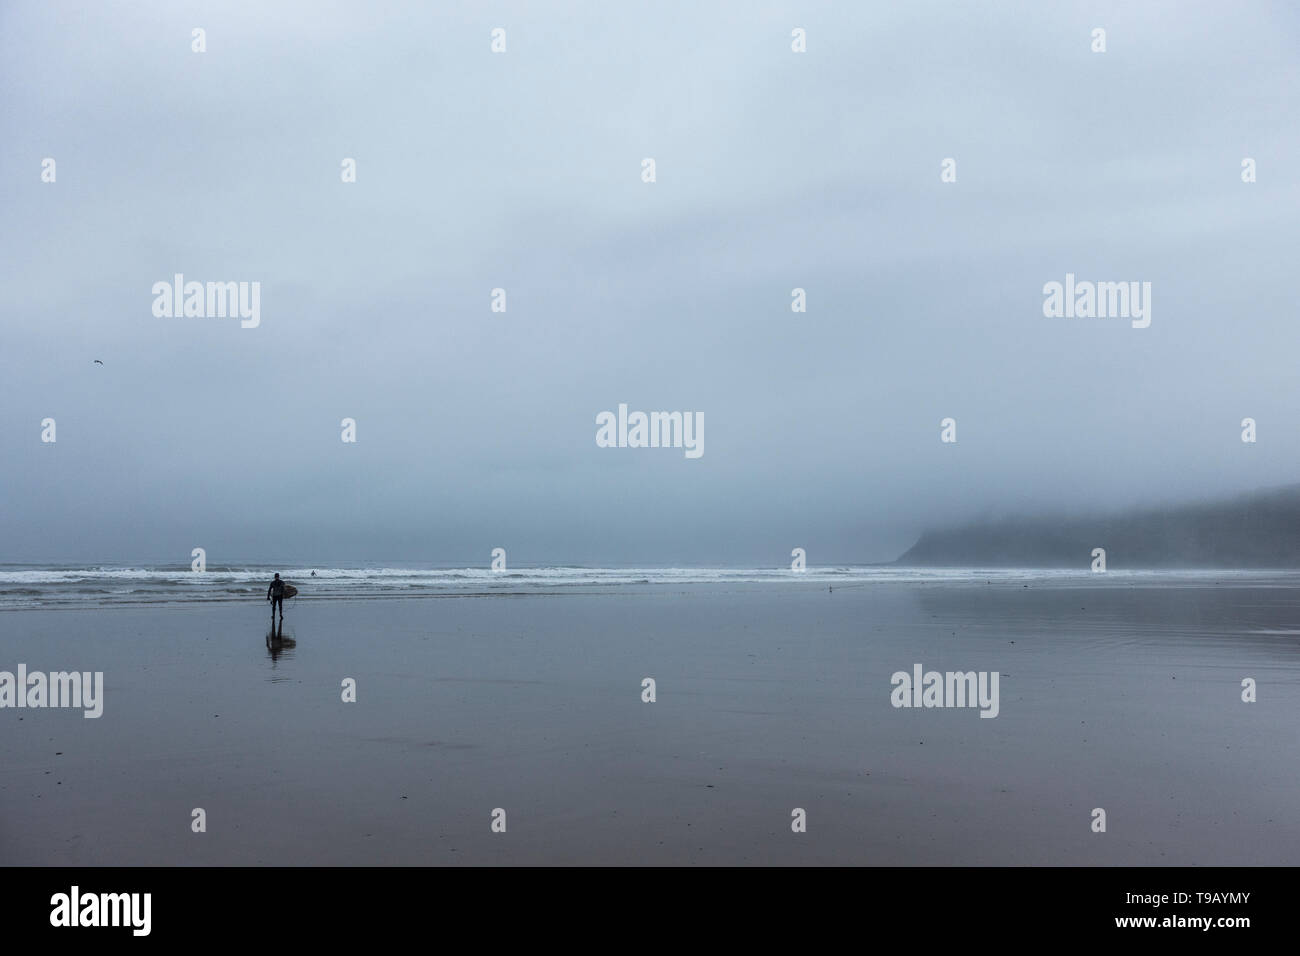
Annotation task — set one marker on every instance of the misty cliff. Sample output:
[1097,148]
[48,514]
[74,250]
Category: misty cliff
[1259,530]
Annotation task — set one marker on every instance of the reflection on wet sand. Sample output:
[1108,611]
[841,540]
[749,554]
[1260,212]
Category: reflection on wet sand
[277,645]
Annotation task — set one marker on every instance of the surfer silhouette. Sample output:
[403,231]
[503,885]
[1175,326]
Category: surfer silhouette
[275,594]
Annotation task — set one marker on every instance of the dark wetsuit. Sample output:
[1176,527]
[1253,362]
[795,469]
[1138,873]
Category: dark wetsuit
[275,593]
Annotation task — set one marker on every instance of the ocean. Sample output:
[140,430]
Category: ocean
[71,585]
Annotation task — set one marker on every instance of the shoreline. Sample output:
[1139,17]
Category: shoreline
[767,700]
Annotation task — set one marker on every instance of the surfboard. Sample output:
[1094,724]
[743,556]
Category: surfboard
[290,590]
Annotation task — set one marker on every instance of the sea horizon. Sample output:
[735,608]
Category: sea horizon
[103,585]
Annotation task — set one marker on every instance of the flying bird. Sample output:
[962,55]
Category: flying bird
[98,362]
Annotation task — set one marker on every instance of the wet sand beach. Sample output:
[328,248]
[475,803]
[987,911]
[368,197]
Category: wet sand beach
[770,697]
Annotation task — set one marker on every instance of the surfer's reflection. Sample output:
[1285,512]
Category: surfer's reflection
[276,643]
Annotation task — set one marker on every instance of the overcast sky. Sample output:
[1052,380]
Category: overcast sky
[522,170]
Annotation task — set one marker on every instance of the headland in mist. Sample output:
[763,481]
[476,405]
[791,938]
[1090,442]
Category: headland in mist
[1256,530]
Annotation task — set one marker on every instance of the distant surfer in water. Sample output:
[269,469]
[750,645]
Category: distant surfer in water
[275,594]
